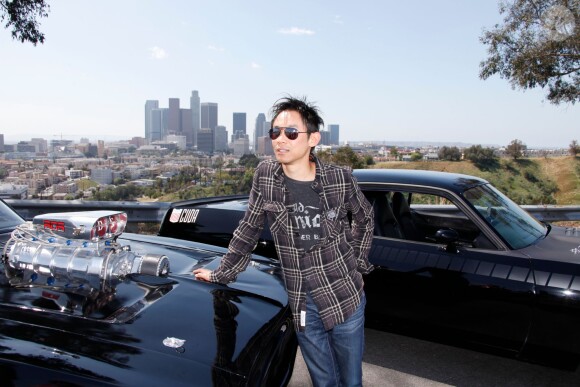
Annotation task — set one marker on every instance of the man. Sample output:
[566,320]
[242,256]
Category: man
[322,254]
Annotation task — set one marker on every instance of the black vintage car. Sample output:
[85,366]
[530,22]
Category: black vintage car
[83,305]
[456,260]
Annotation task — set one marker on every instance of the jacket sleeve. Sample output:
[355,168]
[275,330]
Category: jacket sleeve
[244,239]
[362,226]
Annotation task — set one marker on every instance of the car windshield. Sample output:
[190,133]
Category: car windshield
[518,228]
[8,218]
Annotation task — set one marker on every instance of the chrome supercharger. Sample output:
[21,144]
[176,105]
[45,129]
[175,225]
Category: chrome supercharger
[76,252]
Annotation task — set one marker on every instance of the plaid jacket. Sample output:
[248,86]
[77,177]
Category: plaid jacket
[332,269]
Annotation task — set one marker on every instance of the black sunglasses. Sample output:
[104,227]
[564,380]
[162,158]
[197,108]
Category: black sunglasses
[290,133]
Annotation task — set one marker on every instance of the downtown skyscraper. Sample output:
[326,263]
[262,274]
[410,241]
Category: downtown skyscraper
[173,120]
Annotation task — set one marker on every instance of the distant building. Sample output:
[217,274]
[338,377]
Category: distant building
[1,143]
[65,188]
[324,137]
[150,105]
[334,130]
[239,126]
[259,129]
[13,191]
[74,173]
[205,140]
[102,175]
[209,115]
[264,147]
[194,106]
[220,139]
[161,122]
[173,117]
[180,141]
[241,146]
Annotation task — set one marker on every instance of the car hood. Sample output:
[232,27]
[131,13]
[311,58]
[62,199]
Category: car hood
[561,244]
[174,329]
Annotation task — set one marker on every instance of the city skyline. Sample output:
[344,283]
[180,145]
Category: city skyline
[384,71]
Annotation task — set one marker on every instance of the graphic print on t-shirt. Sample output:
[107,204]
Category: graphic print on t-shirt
[307,221]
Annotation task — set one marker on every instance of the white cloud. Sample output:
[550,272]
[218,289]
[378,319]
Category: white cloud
[295,31]
[215,48]
[158,53]
[338,19]
[255,65]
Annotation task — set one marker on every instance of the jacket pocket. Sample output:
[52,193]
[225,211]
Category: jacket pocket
[333,221]
[277,214]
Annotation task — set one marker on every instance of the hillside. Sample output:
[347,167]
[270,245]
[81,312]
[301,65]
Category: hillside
[554,180]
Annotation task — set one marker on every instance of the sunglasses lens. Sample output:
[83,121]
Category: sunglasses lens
[291,133]
[274,133]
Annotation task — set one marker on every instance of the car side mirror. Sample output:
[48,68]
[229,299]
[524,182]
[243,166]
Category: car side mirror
[449,238]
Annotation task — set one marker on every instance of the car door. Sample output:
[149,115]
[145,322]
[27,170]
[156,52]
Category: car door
[468,290]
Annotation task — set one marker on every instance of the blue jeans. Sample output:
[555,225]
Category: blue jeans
[334,357]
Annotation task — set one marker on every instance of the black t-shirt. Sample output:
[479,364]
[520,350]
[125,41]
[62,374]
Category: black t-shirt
[305,213]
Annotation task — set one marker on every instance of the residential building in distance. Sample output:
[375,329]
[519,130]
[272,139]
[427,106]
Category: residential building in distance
[180,141]
[13,191]
[102,175]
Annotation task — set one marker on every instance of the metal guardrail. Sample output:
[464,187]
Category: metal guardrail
[153,212]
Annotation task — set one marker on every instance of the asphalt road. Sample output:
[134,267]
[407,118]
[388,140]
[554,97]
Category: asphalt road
[395,360]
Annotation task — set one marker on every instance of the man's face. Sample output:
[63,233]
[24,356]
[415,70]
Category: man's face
[293,151]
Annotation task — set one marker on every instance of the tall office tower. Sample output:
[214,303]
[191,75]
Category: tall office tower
[205,140]
[209,115]
[324,137]
[158,125]
[1,143]
[149,106]
[239,127]
[259,129]
[186,128]
[221,139]
[195,118]
[173,117]
[334,133]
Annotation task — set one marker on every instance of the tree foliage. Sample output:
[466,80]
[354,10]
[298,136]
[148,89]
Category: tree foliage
[449,153]
[483,158]
[538,45]
[574,148]
[416,156]
[343,156]
[249,160]
[515,149]
[22,17]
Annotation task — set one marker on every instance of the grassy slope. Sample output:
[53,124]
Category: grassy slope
[526,181]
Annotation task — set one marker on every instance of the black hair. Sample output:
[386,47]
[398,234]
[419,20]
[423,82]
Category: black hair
[308,111]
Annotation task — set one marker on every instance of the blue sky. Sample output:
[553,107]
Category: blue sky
[383,70]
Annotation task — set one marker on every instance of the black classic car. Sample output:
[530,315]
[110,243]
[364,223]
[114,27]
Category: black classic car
[456,260]
[84,304]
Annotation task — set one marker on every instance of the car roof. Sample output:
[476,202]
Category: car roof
[455,182]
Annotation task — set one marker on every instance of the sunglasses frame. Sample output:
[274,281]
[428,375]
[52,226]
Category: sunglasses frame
[292,135]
